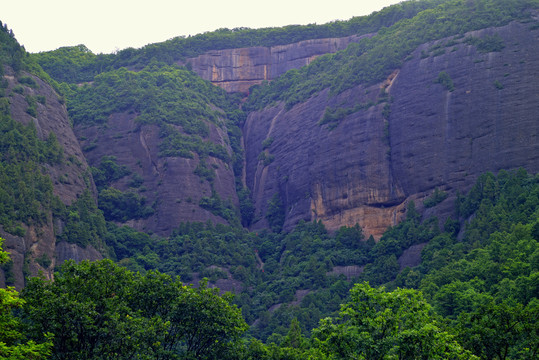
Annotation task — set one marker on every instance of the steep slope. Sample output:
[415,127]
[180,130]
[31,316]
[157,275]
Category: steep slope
[33,243]
[455,109]
[166,132]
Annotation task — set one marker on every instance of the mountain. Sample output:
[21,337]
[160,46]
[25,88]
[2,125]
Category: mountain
[443,106]
[451,112]
[44,170]
[326,154]
[408,108]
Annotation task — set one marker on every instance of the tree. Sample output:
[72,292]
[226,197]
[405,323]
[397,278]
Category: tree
[210,327]
[384,325]
[86,310]
[492,329]
[12,346]
[275,213]
[99,310]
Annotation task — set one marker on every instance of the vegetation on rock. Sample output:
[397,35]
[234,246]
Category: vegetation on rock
[307,293]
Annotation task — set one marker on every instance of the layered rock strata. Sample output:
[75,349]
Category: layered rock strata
[236,70]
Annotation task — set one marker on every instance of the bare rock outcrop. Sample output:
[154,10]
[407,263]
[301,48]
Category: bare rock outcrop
[170,183]
[236,70]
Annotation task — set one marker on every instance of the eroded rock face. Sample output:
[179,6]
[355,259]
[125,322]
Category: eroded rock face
[443,138]
[36,251]
[236,70]
[369,166]
[172,186]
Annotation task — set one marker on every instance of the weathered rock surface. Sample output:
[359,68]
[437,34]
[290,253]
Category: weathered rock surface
[341,177]
[367,168]
[236,70]
[442,138]
[170,182]
[69,179]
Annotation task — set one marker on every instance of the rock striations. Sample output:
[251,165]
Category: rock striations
[438,122]
[236,70]
[428,135]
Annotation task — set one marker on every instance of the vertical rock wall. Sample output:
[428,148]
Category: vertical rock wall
[367,168]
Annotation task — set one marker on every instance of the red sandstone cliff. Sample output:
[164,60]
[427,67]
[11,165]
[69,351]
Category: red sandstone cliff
[367,168]
[236,70]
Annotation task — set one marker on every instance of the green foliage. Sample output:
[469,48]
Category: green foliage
[32,106]
[376,324]
[84,222]
[437,197]
[373,59]
[77,64]
[26,193]
[247,208]
[275,214]
[175,99]
[99,308]
[333,116]
[486,44]
[13,345]
[266,158]
[123,206]
[267,143]
[108,171]
[11,53]
[217,206]
[72,63]
[479,273]
[204,171]
[485,281]
[445,80]
[498,85]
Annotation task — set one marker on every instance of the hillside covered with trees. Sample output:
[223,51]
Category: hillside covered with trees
[183,196]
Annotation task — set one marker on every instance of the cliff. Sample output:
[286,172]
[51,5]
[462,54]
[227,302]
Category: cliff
[449,116]
[171,184]
[236,70]
[69,179]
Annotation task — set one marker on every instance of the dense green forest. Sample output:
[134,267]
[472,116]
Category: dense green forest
[474,294]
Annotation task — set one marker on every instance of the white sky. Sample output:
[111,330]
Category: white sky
[105,26]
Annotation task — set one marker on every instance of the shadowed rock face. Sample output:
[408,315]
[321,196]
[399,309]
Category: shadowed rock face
[236,70]
[367,168]
[170,182]
[364,170]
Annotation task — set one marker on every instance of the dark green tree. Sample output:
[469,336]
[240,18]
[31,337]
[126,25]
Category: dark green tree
[99,310]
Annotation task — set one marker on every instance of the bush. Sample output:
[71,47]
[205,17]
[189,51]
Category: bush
[445,80]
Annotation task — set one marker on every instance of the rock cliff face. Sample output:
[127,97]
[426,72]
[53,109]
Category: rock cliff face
[69,180]
[439,121]
[170,182]
[236,70]
[372,164]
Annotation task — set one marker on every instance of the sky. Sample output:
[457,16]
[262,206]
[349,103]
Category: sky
[106,26]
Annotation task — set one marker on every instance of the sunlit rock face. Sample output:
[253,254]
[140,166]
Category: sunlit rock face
[236,70]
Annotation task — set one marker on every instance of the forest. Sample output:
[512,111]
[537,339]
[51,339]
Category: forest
[474,294]
[471,297]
